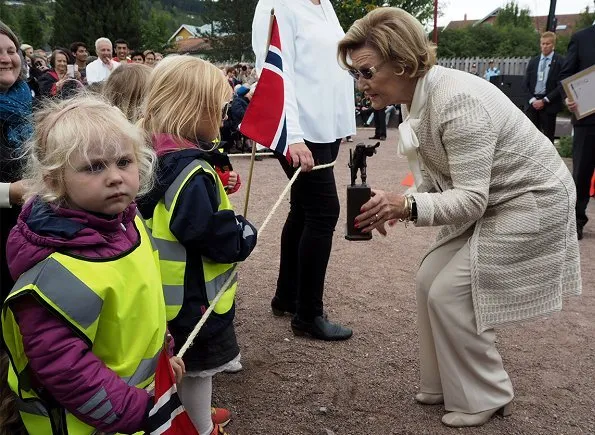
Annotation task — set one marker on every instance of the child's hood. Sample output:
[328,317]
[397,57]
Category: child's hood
[173,158]
[43,229]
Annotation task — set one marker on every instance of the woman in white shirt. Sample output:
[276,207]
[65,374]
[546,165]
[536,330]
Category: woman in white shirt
[319,105]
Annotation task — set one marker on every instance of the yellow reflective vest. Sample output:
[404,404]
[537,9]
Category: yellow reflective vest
[172,255]
[116,305]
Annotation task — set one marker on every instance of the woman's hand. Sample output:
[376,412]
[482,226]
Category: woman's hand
[301,156]
[16,192]
[382,207]
[179,368]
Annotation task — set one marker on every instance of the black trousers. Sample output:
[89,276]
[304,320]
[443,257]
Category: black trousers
[545,122]
[583,165]
[307,236]
[380,123]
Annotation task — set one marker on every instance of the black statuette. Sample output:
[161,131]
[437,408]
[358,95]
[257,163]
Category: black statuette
[358,194]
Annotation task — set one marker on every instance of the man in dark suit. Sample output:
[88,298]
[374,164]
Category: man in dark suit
[380,124]
[541,83]
[580,56]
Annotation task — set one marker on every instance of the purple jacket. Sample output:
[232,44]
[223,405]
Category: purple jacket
[59,360]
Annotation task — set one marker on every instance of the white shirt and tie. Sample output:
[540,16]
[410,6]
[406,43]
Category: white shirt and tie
[543,70]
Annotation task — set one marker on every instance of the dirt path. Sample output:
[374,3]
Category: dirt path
[366,385]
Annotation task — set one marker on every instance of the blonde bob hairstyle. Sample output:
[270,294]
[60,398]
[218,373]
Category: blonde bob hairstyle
[396,35]
[185,99]
[126,87]
[80,124]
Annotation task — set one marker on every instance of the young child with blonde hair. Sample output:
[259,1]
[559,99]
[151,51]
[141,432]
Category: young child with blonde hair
[200,238]
[85,322]
[126,87]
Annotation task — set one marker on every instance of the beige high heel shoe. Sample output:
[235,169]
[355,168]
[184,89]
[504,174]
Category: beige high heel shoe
[430,398]
[461,419]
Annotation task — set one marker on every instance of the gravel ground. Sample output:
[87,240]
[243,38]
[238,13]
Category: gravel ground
[366,385]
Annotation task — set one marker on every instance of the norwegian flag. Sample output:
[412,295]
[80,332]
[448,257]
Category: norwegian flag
[264,121]
[168,416]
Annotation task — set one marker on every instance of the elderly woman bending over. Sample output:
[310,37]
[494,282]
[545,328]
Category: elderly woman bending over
[507,250]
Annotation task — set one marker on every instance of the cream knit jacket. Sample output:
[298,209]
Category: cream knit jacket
[485,164]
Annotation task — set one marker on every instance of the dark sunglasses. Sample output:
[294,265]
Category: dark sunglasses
[38,64]
[366,73]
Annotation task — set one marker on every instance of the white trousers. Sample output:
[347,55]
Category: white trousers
[454,359]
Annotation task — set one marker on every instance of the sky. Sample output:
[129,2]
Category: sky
[476,9]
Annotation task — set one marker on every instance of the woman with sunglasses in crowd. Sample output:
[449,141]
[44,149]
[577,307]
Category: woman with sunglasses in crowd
[507,250]
[320,110]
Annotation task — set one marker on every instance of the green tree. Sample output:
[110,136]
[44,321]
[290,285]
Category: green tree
[31,29]
[517,42]
[513,35]
[233,37]
[586,19]
[7,16]
[350,10]
[157,29]
[562,44]
[87,20]
[511,15]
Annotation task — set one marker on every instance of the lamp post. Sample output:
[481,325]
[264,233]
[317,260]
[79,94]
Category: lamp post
[551,18]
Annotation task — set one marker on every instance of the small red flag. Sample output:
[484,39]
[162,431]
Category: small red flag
[264,121]
[168,416]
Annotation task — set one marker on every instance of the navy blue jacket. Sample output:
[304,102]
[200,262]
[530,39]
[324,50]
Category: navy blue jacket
[204,231]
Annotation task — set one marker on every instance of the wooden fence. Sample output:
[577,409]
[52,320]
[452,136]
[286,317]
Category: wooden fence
[508,66]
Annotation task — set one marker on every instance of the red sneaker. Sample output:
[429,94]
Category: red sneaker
[218,430]
[220,416]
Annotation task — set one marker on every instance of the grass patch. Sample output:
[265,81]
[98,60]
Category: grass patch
[565,146]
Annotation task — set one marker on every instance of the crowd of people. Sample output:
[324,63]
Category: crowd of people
[118,192]
[62,71]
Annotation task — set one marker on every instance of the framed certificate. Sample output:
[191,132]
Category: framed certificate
[581,89]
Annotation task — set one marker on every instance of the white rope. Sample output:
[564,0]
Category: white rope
[250,154]
[212,304]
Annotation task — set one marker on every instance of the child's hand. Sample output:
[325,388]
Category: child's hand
[233,179]
[179,368]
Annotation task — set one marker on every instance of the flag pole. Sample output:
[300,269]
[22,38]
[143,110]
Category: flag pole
[253,156]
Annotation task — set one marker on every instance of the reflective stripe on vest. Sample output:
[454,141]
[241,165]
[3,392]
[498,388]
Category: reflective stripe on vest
[80,302]
[145,370]
[213,286]
[173,189]
[172,254]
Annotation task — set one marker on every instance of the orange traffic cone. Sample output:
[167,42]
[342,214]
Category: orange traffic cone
[408,180]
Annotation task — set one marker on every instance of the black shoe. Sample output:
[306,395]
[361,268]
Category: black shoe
[280,308]
[375,137]
[320,328]
[579,232]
